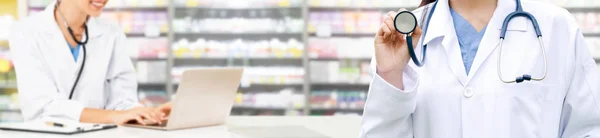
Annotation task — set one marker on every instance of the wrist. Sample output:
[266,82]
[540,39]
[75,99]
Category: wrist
[394,77]
[390,72]
[113,116]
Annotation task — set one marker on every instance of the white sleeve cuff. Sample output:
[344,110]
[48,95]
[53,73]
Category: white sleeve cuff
[67,109]
[126,105]
[381,88]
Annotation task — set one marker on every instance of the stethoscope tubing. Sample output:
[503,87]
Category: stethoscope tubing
[82,43]
[519,12]
[525,77]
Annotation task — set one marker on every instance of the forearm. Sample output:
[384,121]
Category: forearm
[91,115]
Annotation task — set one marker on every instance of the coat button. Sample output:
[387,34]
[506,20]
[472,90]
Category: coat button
[468,93]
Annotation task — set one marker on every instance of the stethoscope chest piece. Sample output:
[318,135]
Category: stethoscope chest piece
[405,22]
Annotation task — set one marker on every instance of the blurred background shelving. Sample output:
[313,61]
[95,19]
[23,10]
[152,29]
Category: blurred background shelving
[265,37]
[9,110]
[302,57]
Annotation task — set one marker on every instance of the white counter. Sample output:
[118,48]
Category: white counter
[330,126]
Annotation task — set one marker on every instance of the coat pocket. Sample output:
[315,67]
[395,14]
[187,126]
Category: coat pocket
[521,106]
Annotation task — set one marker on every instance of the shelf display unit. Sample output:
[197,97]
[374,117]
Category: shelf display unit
[265,37]
[9,111]
[340,48]
[301,57]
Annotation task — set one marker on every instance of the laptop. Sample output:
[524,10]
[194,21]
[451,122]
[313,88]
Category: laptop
[204,98]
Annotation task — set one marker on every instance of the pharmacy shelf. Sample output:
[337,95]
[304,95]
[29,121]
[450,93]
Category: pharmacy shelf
[582,9]
[384,9]
[373,34]
[264,87]
[250,107]
[338,109]
[238,61]
[591,34]
[130,35]
[148,59]
[259,88]
[151,83]
[158,8]
[245,36]
[344,35]
[366,59]
[340,86]
[239,8]
[8,86]
[10,110]
[116,8]
[273,85]
[273,13]
[151,86]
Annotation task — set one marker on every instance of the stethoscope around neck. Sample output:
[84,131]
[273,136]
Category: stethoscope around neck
[405,23]
[82,43]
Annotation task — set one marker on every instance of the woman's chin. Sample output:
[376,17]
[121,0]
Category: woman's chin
[95,10]
[95,13]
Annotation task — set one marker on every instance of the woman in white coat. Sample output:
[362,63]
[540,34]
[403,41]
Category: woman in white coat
[458,94]
[48,59]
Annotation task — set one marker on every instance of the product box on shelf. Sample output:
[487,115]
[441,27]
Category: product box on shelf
[276,75]
[345,21]
[6,22]
[286,99]
[241,25]
[345,71]
[238,48]
[9,107]
[139,21]
[574,3]
[363,3]
[137,3]
[338,99]
[147,48]
[589,22]
[111,3]
[593,44]
[238,3]
[151,71]
[340,47]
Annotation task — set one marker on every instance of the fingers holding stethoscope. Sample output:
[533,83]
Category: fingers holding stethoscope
[389,33]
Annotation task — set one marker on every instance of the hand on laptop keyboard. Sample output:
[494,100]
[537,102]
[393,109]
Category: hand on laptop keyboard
[148,123]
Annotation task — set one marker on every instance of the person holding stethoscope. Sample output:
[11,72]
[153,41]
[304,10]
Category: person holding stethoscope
[482,69]
[72,65]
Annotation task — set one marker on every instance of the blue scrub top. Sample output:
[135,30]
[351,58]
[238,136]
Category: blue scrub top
[468,38]
[75,51]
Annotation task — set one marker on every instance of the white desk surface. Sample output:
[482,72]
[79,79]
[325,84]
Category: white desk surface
[332,126]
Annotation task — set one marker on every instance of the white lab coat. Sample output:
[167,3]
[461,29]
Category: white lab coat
[46,69]
[440,100]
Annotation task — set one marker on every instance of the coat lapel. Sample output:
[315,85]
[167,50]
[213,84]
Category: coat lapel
[441,26]
[65,66]
[57,43]
[491,37]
